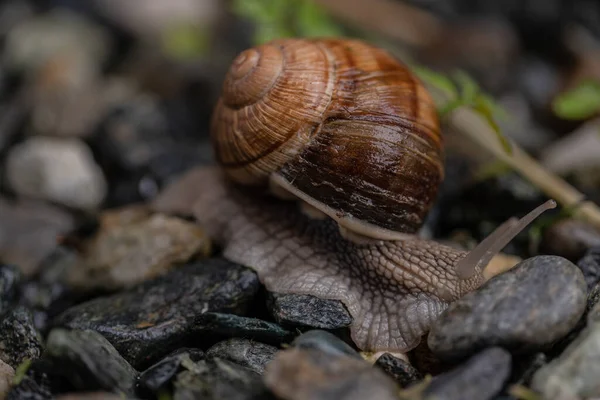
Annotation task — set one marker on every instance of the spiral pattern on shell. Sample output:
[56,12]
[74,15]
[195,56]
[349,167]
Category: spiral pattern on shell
[343,124]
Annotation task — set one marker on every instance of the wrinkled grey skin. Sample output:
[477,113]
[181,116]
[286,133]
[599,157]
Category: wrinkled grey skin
[394,290]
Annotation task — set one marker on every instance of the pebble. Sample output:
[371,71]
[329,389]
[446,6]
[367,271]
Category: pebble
[481,377]
[90,362]
[247,353]
[91,396]
[220,325]
[160,375]
[297,310]
[570,238]
[33,384]
[574,374]
[28,232]
[593,306]
[10,278]
[19,339]
[6,376]
[147,322]
[325,342]
[400,370]
[216,379]
[590,266]
[57,170]
[536,303]
[131,247]
[308,373]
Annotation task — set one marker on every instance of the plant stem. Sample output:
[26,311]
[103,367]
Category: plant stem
[473,126]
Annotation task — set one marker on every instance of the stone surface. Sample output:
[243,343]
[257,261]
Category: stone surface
[574,374]
[481,377]
[216,379]
[525,309]
[297,310]
[6,376]
[90,362]
[10,278]
[400,370]
[220,326]
[28,232]
[247,353]
[132,246]
[325,342]
[308,373]
[590,266]
[58,170]
[160,375]
[570,238]
[19,339]
[147,322]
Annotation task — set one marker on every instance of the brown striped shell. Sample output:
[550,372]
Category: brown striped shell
[338,123]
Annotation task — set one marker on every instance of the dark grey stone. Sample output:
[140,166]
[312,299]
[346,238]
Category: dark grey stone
[590,266]
[19,340]
[160,375]
[401,371]
[247,353]
[10,278]
[89,362]
[526,309]
[222,326]
[151,320]
[298,310]
[325,342]
[219,379]
[481,377]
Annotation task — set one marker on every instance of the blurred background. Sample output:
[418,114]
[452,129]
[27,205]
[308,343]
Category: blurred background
[102,102]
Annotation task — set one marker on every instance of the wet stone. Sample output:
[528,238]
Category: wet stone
[132,246]
[400,370]
[6,377]
[160,375]
[574,374]
[308,373]
[593,306]
[325,342]
[10,278]
[590,266]
[247,353]
[526,309]
[147,322]
[19,339]
[481,377]
[89,361]
[220,325]
[296,310]
[571,238]
[219,379]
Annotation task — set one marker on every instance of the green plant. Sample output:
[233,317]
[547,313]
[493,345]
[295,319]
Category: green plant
[579,103]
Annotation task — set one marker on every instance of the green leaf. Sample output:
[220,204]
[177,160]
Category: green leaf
[582,102]
[312,20]
[20,371]
[483,108]
[185,41]
[468,87]
[437,80]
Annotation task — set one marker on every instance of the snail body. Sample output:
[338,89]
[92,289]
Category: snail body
[337,123]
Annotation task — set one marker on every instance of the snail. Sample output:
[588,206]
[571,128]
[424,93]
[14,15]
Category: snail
[346,129]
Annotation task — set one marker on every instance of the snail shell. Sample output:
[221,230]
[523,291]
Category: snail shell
[338,123]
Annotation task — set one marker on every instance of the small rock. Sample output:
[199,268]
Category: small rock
[28,232]
[590,266]
[58,170]
[160,375]
[131,247]
[148,321]
[574,374]
[308,373]
[10,278]
[526,367]
[593,306]
[230,325]
[570,238]
[401,371]
[214,379]
[89,361]
[33,384]
[536,303]
[296,310]
[481,377]
[249,354]
[325,342]
[19,340]
[6,376]
[91,396]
